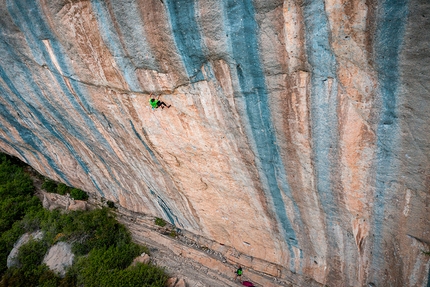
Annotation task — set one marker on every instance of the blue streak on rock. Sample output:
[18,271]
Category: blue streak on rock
[46,124]
[14,143]
[35,29]
[392,16]
[161,202]
[172,218]
[151,153]
[32,39]
[428,279]
[165,208]
[109,169]
[323,102]
[187,36]
[243,36]
[96,185]
[14,146]
[28,136]
[317,40]
[128,19]
[112,41]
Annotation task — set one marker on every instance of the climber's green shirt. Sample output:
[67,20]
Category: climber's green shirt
[153,103]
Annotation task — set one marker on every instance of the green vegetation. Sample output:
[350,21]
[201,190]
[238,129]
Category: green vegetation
[30,270]
[60,188]
[160,222]
[103,248]
[173,233]
[78,194]
[110,204]
[49,185]
[30,255]
[108,267]
[63,189]
[16,199]
[426,252]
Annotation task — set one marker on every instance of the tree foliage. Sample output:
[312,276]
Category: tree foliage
[16,199]
[103,247]
[78,194]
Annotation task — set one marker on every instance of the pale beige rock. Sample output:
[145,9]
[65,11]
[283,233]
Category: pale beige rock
[143,258]
[53,201]
[181,283]
[175,282]
[59,258]
[171,282]
[77,205]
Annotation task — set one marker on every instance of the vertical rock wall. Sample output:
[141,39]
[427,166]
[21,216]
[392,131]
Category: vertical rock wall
[298,131]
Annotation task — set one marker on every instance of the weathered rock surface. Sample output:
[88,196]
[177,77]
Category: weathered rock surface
[298,133]
[175,282]
[77,205]
[53,201]
[143,258]
[11,258]
[59,257]
[203,262]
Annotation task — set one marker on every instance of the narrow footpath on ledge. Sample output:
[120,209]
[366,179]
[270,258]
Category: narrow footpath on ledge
[183,257]
[186,256]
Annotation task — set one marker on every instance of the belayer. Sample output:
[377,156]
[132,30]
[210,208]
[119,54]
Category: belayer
[155,103]
[238,273]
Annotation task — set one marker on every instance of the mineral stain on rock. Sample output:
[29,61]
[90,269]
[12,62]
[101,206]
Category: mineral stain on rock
[298,133]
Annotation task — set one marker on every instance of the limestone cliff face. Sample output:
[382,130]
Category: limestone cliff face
[298,132]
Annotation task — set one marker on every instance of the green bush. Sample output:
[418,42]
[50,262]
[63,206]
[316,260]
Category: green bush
[146,275]
[14,208]
[108,267]
[60,188]
[173,233]
[13,180]
[110,204]
[30,255]
[103,247]
[16,188]
[39,276]
[48,278]
[49,185]
[78,194]
[70,280]
[87,230]
[160,222]
[63,189]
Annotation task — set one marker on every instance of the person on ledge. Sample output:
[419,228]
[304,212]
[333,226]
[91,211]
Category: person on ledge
[156,103]
[238,273]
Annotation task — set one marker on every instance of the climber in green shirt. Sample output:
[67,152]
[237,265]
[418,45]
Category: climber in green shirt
[155,103]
